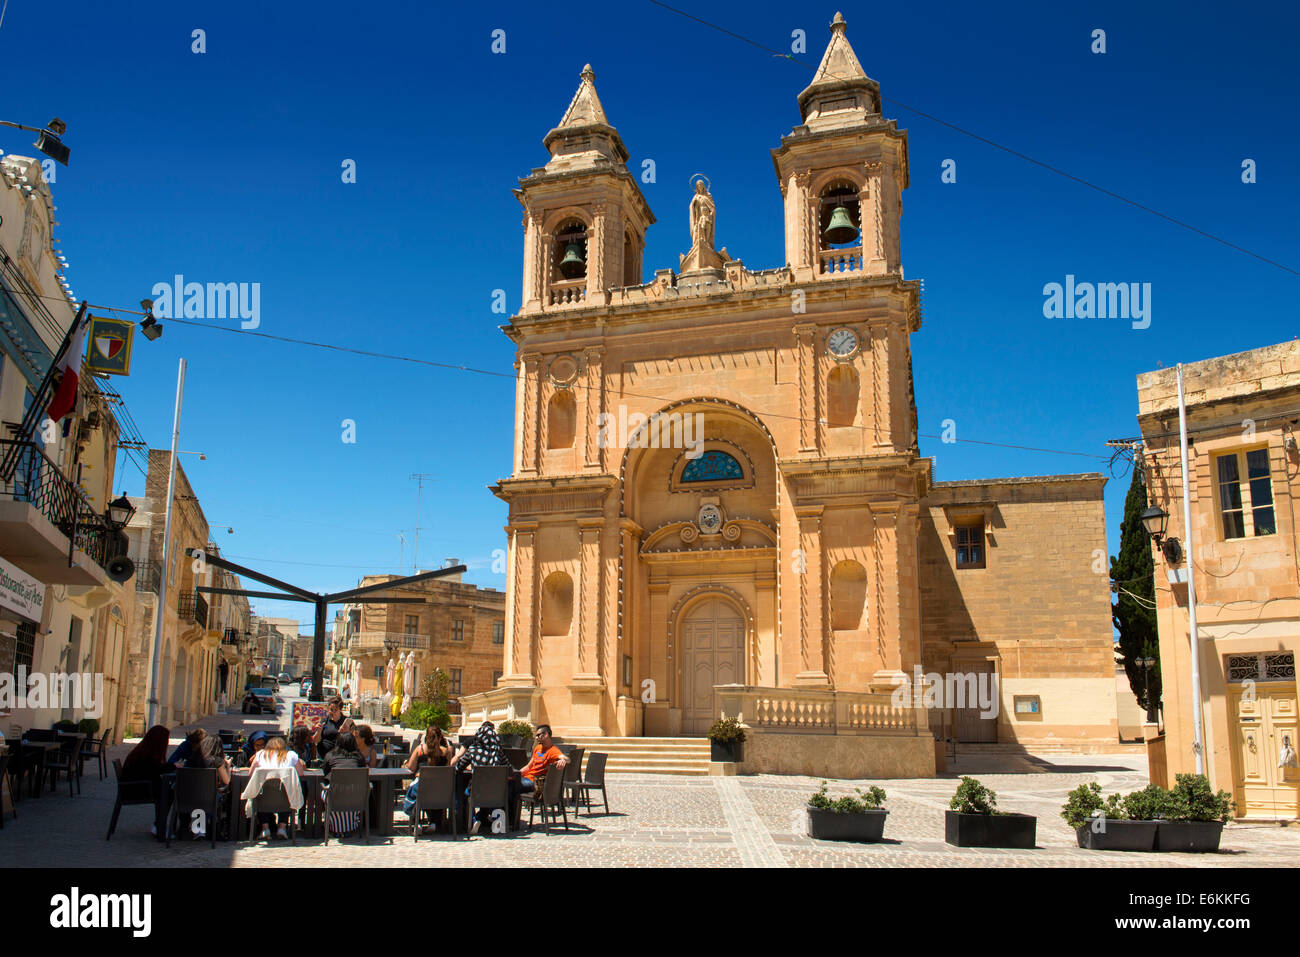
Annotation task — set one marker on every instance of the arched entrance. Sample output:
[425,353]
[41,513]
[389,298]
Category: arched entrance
[712,642]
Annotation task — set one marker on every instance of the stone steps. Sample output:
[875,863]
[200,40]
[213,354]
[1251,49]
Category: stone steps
[688,756]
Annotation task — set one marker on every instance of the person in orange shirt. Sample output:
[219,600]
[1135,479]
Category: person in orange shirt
[545,755]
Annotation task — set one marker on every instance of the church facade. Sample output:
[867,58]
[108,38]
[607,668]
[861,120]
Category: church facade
[718,503]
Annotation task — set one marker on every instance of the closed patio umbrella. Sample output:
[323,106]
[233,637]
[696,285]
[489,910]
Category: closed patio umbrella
[408,684]
[396,706]
[388,676]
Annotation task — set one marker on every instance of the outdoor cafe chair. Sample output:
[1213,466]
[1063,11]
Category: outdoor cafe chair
[196,790]
[274,799]
[348,793]
[65,760]
[95,749]
[489,789]
[594,781]
[4,770]
[573,769]
[518,757]
[436,792]
[128,792]
[548,799]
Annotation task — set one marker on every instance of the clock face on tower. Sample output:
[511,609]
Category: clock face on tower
[842,343]
[710,519]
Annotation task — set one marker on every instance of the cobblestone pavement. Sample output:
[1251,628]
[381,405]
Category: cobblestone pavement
[659,820]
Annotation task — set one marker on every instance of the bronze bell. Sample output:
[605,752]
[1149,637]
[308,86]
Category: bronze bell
[841,228]
[573,265]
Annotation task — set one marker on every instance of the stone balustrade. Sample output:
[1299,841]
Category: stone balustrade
[818,711]
[511,703]
[841,260]
[570,293]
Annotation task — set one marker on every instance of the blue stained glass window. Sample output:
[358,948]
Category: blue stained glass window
[712,466]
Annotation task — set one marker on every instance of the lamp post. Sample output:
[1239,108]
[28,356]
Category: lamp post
[1147,664]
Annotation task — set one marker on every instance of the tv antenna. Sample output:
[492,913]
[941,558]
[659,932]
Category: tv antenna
[419,478]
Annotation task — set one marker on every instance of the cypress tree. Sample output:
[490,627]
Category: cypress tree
[1133,570]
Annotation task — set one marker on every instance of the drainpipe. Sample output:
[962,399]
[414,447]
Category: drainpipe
[1198,731]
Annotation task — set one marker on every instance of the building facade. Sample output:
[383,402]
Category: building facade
[61,613]
[1242,413]
[718,505]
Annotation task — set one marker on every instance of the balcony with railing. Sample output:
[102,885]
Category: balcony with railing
[148,577]
[840,261]
[47,525]
[370,642]
[191,606]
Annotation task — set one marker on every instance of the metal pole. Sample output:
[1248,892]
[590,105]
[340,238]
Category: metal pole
[318,653]
[1198,732]
[160,606]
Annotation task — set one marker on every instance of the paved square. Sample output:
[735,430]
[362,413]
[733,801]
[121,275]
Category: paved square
[661,820]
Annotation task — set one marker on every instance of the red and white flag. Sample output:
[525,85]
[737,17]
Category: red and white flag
[65,395]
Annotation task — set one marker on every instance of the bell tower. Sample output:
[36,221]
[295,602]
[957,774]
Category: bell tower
[584,216]
[842,173]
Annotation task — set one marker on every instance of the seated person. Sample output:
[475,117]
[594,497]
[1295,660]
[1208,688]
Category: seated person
[255,743]
[343,755]
[275,754]
[147,762]
[187,748]
[484,752]
[210,754]
[300,743]
[366,744]
[435,749]
[545,755]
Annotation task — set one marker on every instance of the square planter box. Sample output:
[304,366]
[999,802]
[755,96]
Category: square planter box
[990,830]
[727,751]
[1189,836]
[1119,836]
[867,827]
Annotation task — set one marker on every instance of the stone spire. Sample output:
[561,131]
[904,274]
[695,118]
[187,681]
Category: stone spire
[584,137]
[840,85]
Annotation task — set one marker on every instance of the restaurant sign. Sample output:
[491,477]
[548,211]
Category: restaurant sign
[310,713]
[20,592]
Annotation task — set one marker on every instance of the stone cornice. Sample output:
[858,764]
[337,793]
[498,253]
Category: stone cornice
[569,493]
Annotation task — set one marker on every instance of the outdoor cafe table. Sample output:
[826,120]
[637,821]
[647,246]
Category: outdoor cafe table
[33,760]
[382,797]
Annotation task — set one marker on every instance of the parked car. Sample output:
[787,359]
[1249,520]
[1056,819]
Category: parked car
[261,701]
[304,689]
[285,679]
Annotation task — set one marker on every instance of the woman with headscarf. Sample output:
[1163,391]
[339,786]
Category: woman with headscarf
[484,752]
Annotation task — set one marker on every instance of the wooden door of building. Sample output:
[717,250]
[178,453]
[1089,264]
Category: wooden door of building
[973,727]
[1264,721]
[713,646]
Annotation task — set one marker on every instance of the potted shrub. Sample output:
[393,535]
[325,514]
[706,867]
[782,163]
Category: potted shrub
[515,734]
[1193,816]
[848,818]
[726,740]
[1106,825]
[975,821]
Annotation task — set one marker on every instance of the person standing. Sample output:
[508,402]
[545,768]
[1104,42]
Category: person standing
[326,736]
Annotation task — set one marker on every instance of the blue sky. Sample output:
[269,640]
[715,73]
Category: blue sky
[225,167]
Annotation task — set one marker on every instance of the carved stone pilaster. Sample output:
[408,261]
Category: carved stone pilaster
[588,601]
[594,403]
[805,345]
[812,613]
[530,413]
[521,635]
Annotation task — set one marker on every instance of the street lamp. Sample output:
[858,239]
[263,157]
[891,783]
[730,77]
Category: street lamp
[150,326]
[1156,520]
[47,139]
[120,511]
[1147,664]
